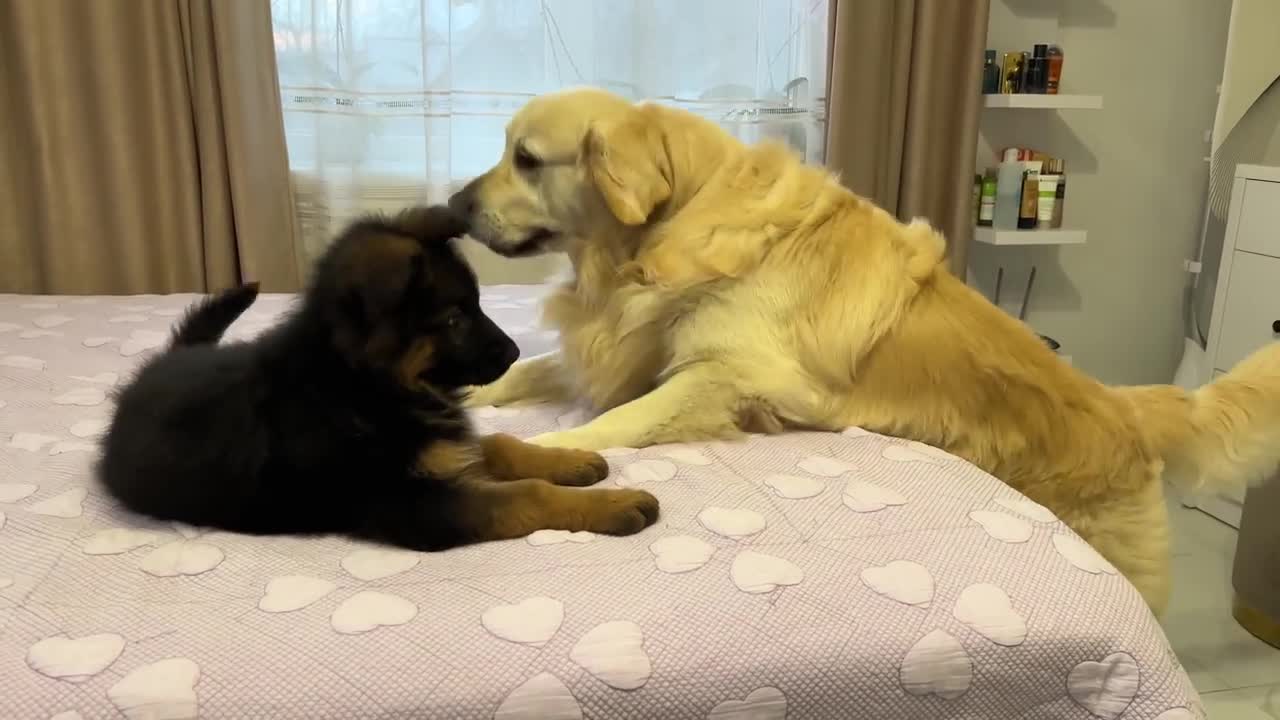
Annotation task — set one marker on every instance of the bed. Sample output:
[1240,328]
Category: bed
[842,575]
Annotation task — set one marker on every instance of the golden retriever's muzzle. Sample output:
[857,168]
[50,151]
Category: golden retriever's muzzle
[466,204]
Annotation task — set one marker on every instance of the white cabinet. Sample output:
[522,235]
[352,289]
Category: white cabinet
[1252,307]
[1246,305]
[1260,218]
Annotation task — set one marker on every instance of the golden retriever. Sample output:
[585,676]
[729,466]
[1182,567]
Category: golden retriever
[719,288]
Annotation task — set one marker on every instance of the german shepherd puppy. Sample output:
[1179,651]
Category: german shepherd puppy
[346,417]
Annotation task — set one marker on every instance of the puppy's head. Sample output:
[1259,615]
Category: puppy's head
[400,301]
[573,161]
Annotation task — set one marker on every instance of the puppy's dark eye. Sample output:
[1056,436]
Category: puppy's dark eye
[526,160]
[455,320]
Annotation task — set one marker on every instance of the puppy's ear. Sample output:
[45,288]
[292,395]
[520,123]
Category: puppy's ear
[435,223]
[381,271]
[629,165]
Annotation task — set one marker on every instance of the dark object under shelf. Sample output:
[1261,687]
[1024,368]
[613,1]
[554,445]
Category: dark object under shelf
[1255,572]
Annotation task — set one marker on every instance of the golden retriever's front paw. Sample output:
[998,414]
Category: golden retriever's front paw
[477,396]
[471,397]
[550,440]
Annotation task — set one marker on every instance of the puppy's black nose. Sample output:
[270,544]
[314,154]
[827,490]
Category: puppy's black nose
[463,202]
[510,353]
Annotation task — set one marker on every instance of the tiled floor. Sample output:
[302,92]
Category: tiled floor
[1237,675]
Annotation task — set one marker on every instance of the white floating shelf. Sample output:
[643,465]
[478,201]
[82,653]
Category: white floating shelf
[1044,102]
[991,236]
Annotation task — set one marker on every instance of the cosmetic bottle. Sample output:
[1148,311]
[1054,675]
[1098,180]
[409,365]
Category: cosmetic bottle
[1059,197]
[975,199]
[1054,74]
[1008,191]
[1047,197]
[987,202]
[990,73]
[1038,70]
[1011,73]
[1029,205]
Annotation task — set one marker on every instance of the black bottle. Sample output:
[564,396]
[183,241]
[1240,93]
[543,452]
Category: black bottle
[1038,70]
[990,73]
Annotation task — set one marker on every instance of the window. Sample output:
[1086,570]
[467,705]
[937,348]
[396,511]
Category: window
[395,101]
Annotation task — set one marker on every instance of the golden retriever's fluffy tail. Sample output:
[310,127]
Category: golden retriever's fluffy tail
[1224,434]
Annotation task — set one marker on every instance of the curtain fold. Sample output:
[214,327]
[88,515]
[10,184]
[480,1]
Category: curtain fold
[143,148]
[905,98]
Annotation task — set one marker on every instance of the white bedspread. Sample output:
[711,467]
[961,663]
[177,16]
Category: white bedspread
[807,576]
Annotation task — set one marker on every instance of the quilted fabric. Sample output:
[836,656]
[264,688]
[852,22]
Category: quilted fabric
[807,576]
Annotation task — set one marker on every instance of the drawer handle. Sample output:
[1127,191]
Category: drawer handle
[1275,326]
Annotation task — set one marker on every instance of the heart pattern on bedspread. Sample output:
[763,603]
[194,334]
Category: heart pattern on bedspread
[812,575]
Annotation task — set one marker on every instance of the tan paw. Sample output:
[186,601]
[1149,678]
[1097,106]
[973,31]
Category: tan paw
[622,512]
[578,468]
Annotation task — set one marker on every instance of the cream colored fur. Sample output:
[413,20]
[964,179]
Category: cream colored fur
[720,287]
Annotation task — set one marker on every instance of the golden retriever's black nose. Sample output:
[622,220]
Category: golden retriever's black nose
[463,202]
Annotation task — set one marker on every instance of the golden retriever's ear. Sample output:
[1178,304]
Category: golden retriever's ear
[629,165]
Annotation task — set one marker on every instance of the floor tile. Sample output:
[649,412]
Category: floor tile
[1217,653]
[1196,531]
[1256,703]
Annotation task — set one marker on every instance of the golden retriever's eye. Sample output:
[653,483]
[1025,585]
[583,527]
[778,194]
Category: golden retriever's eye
[526,160]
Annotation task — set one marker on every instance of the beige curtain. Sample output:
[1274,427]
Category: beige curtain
[142,148]
[905,95]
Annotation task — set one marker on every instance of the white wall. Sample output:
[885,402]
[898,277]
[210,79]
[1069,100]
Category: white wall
[1136,175]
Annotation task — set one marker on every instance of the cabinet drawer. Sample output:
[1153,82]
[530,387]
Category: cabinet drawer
[1259,230]
[1252,307]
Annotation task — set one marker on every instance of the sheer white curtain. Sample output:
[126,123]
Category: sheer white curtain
[390,102]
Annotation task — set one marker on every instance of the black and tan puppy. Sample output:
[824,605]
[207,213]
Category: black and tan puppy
[346,417]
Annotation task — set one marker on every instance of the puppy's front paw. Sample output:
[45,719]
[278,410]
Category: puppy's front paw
[621,512]
[577,467]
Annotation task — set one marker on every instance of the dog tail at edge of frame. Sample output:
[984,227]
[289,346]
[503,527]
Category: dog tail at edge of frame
[1223,435]
[206,320]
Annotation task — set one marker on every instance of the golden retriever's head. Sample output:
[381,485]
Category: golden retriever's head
[574,162]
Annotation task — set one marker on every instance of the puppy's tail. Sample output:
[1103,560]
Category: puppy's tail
[206,320]
[1223,435]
